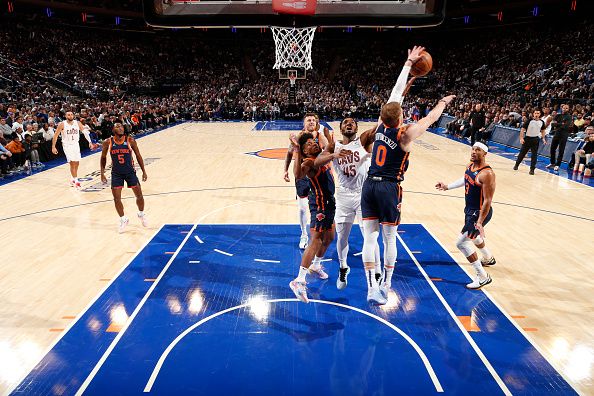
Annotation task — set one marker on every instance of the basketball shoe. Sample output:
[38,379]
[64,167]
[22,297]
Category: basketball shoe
[300,290]
[478,283]
[342,280]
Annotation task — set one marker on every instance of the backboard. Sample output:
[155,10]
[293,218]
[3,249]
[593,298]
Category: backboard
[259,13]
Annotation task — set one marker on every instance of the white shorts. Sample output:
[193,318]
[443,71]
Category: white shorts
[348,206]
[72,152]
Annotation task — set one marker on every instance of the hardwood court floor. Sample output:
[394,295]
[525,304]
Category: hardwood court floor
[61,246]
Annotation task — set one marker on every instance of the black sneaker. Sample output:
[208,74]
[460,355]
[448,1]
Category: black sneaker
[488,263]
[531,172]
[515,167]
[341,281]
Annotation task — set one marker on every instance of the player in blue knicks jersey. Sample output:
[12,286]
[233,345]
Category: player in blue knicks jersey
[120,147]
[381,197]
[479,183]
[322,207]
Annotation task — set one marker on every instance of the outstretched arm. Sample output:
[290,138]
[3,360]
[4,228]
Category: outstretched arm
[103,161]
[401,87]
[86,133]
[415,130]
[445,187]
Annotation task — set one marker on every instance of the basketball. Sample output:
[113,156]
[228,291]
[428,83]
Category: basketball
[422,66]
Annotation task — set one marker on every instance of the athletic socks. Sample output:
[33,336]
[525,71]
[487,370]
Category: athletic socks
[485,253]
[371,281]
[388,271]
[302,272]
[315,264]
[480,271]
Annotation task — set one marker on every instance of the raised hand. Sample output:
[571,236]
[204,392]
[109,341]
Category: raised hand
[343,153]
[448,99]
[415,53]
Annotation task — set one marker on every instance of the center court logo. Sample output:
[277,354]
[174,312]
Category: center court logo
[97,185]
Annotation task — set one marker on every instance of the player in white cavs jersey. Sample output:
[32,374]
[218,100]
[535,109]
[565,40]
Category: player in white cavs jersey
[351,172]
[70,131]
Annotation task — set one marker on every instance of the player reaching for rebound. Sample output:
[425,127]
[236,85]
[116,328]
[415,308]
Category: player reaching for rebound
[381,197]
[120,148]
[479,183]
[310,125]
[70,131]
[351,173]
[321,206]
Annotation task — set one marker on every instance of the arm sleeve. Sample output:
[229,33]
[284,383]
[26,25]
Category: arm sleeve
[87,135]
[398,90]
[456,184]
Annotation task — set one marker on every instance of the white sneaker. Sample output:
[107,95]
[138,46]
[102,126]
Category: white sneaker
[300,290]
[319,272]
[77,185]
[384,290]
[143,220]
[549,166]
[123,224]
[556,169]
[489,262]
[303,242]
[477,283]
[375,297]
[342,280]
[72,182]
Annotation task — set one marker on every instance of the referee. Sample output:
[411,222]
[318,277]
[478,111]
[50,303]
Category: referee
[535,131]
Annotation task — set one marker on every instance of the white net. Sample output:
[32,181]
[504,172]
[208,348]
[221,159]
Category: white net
[293,46]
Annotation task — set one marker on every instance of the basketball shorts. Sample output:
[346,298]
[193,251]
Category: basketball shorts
[348,206]
[381,200]
[302,187]
[117,180]
[470,218]
[322,218]
[72,152]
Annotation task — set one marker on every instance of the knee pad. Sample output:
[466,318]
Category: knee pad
[303,204]
[370,235]
[465,245]
[390,233]
[478,240]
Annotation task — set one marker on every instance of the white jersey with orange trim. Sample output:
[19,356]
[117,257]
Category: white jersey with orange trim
[70,133]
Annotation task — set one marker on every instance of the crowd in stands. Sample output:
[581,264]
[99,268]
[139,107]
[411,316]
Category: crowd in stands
[151,80]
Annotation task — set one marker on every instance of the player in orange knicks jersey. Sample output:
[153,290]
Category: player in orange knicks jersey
[381,196]
[321,206]
[479,180]
[311,125]
[120,147]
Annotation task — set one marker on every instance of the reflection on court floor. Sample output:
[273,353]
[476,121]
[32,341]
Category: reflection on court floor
[207,310]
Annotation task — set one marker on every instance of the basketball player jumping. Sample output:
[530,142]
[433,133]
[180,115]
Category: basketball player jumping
[70,131]
[381,197]
[120,148]
[479,183]
[322,208]
[351,173]
[310,125]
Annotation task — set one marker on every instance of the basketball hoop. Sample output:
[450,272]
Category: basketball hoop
[293,47]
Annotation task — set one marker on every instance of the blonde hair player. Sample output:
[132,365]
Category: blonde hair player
[310,125]
[479,183]
[381,197]
[70,131]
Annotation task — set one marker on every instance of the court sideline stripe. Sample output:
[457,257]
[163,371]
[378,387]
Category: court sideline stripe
[117,339]
[198,190]
[504,312]
[163,357]
[84,311]
[470,340]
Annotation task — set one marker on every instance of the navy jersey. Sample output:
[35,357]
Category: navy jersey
[321,194]
[121,157]
[473,191]
[388,160]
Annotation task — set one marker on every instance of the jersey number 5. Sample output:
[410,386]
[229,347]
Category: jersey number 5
[380,157]
[121,159]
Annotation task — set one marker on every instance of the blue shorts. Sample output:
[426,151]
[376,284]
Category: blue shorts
[322,220]
[117,180]
[302,187]
[470,218]
[381,200]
